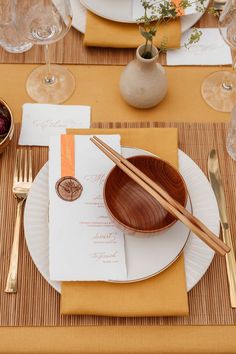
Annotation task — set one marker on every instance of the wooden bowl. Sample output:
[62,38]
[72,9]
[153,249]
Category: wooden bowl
[6,138]
[134,209]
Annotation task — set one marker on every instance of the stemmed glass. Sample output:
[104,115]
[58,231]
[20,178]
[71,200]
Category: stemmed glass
[45,22]
[10,38]
[219,88]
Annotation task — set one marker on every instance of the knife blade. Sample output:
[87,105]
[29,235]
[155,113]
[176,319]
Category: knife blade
[217,186]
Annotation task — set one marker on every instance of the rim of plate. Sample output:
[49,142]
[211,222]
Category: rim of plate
[80,14]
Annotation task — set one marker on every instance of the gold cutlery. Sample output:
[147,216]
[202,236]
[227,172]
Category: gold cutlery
[217,186]
[170,204]
[22,181]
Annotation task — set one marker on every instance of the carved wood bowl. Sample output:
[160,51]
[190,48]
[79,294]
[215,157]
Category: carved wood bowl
[135,210]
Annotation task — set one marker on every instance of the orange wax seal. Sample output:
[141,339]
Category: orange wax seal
[68,188]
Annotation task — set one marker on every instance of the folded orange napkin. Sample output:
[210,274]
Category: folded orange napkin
[105,33]
[162,295]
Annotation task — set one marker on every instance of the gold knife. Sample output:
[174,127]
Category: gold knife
[217,186]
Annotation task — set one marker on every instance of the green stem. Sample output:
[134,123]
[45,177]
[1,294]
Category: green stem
[145,48]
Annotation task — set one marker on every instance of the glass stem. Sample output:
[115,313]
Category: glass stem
[227,84]
[49,78]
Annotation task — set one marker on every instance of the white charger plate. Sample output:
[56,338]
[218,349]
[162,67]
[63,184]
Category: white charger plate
[117,10]
[145,256]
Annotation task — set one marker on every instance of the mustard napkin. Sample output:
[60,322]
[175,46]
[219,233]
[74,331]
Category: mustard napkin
[162,295]
[101,32]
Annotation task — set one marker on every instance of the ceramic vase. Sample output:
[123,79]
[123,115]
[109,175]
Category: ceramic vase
[143,83]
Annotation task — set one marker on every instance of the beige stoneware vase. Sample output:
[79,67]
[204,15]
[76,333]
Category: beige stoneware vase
[143,83]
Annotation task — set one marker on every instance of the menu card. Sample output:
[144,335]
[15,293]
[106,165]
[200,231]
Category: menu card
[84,244]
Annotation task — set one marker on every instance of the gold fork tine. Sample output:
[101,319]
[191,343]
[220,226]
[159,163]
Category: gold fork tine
[30,165]
[20,165]
[15,175]
[25,179]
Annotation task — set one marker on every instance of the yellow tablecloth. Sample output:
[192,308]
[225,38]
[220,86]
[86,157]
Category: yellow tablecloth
[119,340]
[98,86]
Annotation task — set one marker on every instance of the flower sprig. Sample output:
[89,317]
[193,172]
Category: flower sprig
[159,11]
[194,37]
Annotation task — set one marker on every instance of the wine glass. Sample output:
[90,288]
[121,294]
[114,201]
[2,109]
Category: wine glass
[10,38]
[45,22]
[219,88]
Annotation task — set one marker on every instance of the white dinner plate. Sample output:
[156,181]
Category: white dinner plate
[145,256]
[117,10]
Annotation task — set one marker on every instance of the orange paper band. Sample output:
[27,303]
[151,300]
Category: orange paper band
[180,9]
[67,155]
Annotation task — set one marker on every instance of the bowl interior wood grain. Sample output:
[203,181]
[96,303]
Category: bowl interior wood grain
[132,207]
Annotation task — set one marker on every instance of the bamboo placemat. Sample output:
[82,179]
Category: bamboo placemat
[37,304]
[70,50]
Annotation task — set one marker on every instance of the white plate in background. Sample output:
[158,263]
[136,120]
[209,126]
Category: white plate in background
[117,10]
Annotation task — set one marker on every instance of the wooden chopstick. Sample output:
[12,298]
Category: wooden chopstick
[164,194]
[170,204]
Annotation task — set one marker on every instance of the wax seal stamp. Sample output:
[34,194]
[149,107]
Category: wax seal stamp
[68,188]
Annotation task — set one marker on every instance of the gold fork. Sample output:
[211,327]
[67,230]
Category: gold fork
[22,181]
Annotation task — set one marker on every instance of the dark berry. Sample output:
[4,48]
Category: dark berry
[5,120]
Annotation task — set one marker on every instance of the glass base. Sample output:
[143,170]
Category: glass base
[56,92]
[216,95]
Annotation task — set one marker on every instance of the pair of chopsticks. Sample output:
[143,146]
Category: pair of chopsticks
[169,203]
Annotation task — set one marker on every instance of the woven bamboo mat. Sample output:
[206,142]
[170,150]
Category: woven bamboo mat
[36,303]
[70,50]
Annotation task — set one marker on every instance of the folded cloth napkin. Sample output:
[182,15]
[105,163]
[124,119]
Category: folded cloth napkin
[105,33]
[162,295]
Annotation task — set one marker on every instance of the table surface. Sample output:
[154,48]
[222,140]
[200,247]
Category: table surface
[70,50]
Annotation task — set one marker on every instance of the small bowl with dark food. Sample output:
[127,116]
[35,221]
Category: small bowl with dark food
[132,208]
[6,125]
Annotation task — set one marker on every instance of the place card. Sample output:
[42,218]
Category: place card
[210,50]
[40,121]
[84,244]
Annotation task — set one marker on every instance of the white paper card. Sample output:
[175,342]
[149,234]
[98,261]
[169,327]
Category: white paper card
[84,244]
[138,10]
[210,50]
[40,121]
